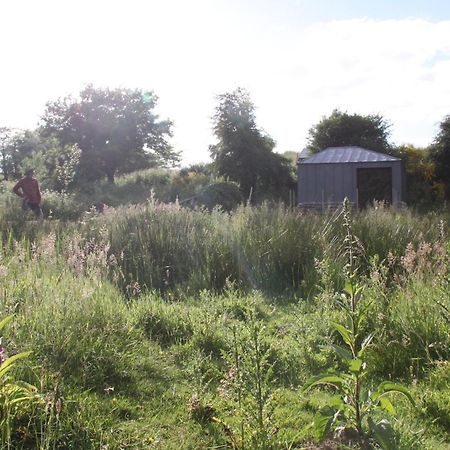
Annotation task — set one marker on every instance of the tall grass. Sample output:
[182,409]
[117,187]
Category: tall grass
[166,246]
[270,247]
[110,352]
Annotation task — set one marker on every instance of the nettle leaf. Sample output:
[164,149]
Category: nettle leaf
[387,387]
[382,433]
[344,332]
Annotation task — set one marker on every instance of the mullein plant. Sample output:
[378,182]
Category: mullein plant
[352,414]
[15,395]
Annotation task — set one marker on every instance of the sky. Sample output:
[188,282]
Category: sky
[299,60]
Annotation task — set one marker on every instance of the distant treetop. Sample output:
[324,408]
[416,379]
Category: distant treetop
[341,129]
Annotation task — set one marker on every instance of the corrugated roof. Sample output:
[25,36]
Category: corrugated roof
[347,155]
[304,153]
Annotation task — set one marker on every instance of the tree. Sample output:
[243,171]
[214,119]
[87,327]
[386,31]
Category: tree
[244,153]
[440,154]
[343,129]
[116,130]
[422,188]
[15,147]
[55,165]
[5,151]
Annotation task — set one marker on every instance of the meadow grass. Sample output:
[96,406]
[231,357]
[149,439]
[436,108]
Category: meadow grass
[137,318]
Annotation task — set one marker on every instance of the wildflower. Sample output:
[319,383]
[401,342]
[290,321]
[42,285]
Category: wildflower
[226,383]
[408,261]
[2,353]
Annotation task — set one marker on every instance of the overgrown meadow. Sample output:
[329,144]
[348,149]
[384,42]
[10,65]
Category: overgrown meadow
[166,327]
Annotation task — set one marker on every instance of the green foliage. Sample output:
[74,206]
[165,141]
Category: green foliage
[165,324]
[16,149]
[16,396]
[422,188]
[266,248]
[440,154]
[224,194]
[435,395]
[5,152]
[116,131]
[158,368]
[343,129]
[244,153]
[414,333]
[357,402]
[61,205]
[65,167]
[248,384]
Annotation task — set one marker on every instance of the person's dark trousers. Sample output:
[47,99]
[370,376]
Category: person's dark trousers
[34,207]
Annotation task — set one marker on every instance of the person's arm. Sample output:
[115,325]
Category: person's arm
[17,189]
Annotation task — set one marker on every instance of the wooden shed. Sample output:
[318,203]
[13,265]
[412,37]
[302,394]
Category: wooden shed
[361,175]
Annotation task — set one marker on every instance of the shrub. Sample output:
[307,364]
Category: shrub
[224,194]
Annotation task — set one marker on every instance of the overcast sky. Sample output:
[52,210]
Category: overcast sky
[299,59]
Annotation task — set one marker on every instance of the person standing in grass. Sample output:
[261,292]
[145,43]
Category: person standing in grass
[28,188]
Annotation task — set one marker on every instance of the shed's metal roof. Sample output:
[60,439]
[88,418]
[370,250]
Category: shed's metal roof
[304,153]
[347,155]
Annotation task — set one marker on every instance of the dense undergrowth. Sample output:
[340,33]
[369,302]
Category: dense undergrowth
[158,326]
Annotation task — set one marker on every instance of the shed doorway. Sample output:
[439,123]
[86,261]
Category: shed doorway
[374,184]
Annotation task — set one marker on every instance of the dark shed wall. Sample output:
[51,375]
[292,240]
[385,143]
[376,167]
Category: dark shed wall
[332,182]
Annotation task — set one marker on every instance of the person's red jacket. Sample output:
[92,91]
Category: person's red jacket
[28,188]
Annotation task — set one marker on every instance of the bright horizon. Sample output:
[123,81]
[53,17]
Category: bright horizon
[299,60]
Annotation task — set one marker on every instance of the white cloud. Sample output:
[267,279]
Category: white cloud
[188,52]
[369,66]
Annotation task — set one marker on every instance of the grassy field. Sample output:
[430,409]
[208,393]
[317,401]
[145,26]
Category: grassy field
[157,326]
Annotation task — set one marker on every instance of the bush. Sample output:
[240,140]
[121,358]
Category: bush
[225,194]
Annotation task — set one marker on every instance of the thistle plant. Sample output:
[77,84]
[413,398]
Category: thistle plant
[248,385]
[351,412]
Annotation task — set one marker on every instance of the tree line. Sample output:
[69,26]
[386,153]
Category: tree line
[105,132]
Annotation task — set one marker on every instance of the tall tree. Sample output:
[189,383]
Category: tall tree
[116,130]
[15,147]
[244,153]
[440,154]
[343,129]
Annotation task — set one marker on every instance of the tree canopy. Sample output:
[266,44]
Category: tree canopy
[16,147]
[422,187]
[116,130]
[343,129]
[244,153]
[440,154]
